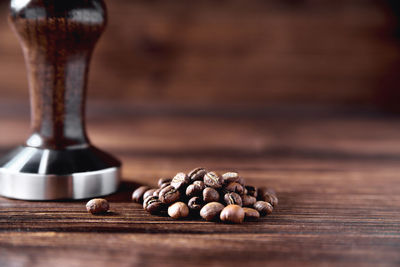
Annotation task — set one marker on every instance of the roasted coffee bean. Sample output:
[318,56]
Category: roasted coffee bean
[263,207]
[234,187]
[137,195]
[251,214]
[97,206]
[210,195]
[230,177]
[195,189]
[195,204]
[153,205]
[197,174]
[157,192]
[271,199]
[211,211]
[169,195]
[268,195]
[164,185]
[163,181]
[178,210]
[241,181]
[149,193]
[233,199]
[248,201]
[180,181]
[232,214]
[251,190]
[265,190]
[213,179]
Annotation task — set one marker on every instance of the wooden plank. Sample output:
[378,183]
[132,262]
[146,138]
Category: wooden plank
[336,178]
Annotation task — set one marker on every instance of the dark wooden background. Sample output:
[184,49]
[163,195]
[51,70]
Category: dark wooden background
[295,95]
[201,53]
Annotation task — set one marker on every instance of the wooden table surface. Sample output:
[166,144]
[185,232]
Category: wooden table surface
[337,177]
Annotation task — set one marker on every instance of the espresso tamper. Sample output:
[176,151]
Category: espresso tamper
[58,161]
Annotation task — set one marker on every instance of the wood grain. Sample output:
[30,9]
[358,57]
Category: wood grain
[339,53]
[337,178]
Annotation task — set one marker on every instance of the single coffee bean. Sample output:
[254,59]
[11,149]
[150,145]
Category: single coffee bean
[163,181]
[211,211]
[268,195]
[157,192]
[180,181]
[169,195]
[233,199]
[212,179]
[263,207]
[271,199]
[251,214]
[197,174]
[149,193]
[97,206]
[251,190]
[241,181]
[195,204]
[234,187]
[164,185]
[210,195]
[232,214]
[137,195]
[230,177]
[195,189]
[178,210]
[153,205]
[265,190]
[248,201]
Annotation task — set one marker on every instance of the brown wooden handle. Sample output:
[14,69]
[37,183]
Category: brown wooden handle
[58,38]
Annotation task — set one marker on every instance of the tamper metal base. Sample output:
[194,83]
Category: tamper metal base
[43,174]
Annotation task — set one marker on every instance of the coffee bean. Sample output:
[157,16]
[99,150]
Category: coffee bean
[230,177]
[180,181]
[265,190]
[197,174]
[97,206]
[272,199]
[211,211]
[251,190]
[241,181]
[234,187]
[169,195]
[163,181]
[263,207]
[195,189]
[210,195]
[212,179]
[251,214]
[268,195]
[164,185]
[232,198]
[137,195]
[178,210]
[157,192]
[195,204]
[149,193]
[232,214]
[153,205]
[248,201]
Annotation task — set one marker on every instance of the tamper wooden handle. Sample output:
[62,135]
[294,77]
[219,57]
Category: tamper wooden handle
[58,38]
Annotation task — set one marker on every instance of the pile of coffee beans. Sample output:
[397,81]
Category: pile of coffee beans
[208,194]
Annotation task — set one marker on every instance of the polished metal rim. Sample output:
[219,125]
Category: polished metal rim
[31,186]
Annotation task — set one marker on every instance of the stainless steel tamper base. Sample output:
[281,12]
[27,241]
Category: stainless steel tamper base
[44,174]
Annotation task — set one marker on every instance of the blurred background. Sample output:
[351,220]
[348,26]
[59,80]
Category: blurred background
[338,55]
